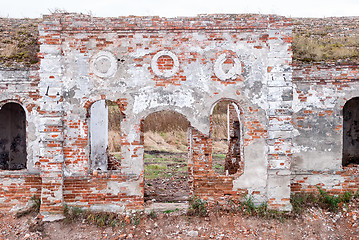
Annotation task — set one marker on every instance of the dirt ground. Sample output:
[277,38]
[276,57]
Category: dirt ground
[166,175]
[313,224]
[166,182]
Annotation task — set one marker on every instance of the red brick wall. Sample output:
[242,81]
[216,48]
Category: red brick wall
[16,190]
[89,191]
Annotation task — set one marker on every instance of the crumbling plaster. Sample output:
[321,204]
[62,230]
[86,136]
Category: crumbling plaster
[290,118]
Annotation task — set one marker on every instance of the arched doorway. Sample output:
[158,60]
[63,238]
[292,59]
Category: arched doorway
[226,138]
[351,132]
[166,157]
[12,137]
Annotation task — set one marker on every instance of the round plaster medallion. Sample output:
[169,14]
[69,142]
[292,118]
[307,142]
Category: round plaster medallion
[232,73]
[166,73]
[104,64]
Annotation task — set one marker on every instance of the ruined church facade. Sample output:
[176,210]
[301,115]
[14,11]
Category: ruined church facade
[296,126]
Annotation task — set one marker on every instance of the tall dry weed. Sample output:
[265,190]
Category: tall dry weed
[114,127]
[165,121]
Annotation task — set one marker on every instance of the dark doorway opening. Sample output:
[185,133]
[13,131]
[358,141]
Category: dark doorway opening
[351,132]
[12,137]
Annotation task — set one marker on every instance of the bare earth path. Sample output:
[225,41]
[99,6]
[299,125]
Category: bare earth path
[313,224]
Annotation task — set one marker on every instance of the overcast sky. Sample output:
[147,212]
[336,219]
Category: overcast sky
[172,8]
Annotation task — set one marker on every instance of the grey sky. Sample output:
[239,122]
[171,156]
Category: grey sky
[171,8]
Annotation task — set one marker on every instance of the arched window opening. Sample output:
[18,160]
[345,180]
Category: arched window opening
[12,137]
[165,159]
[351,132]
[226,138]
[105,135]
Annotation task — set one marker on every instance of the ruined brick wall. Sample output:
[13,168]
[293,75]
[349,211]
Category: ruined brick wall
[152,64]
[291,130]
[149,64]
[320,93]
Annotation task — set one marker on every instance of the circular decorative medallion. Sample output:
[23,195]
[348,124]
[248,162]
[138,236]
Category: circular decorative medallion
[166,73]
[231,73]
[104,64]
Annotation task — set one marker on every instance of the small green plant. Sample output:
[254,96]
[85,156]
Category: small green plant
[36,204]
[168,211]
[135,219]
[73,213]
[261,210]
[300,201]
[33,209]
[249,205]
[152,214]
[103,219]
[198,207]
[332,202]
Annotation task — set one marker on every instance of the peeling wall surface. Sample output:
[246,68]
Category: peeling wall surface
[290,131]
[319,137]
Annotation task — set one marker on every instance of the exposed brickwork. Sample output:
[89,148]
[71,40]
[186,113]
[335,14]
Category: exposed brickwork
[102,189]
[17,189]
[205,182]
[290,126]
[320,92]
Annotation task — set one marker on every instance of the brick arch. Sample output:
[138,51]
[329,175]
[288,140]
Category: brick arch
[238,103]
[121,102]
[14,100]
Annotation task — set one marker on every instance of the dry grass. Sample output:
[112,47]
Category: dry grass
[18,42]
[326,39]
[309,48]
[173,141]
[166,131]
[114,125]
[165,121]
[219,127]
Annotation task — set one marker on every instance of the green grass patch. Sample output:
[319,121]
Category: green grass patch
[155,171]
[322,199]
[171,210]
[221,156]
[217,166]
